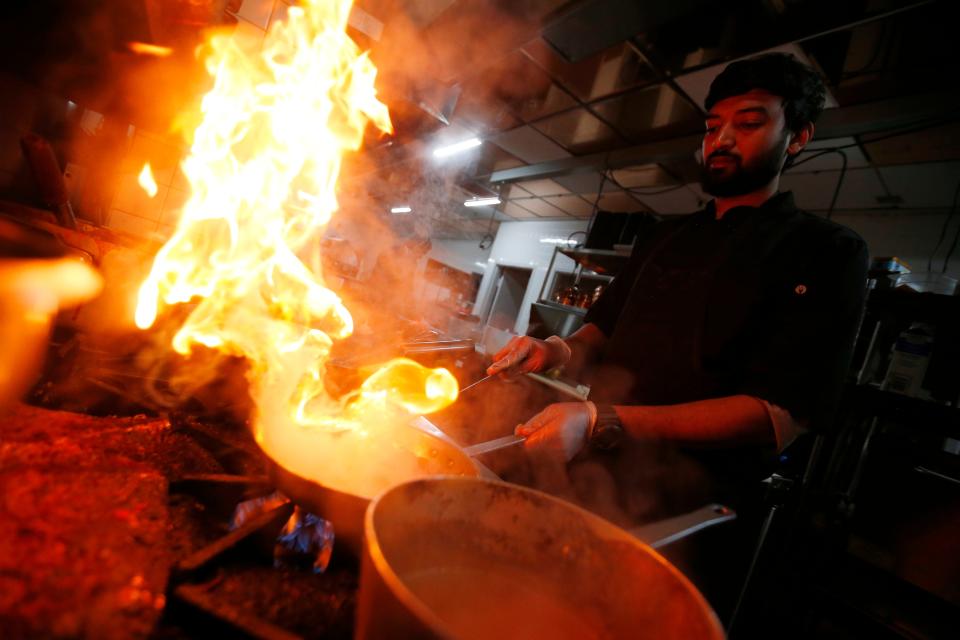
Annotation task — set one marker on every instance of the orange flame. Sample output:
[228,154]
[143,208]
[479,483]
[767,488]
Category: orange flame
[263,169]
[146,180]
[146,49]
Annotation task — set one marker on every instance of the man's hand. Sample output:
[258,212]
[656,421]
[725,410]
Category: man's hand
[524,354]
[559,431]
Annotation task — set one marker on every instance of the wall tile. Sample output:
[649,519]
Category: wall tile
[134,225]
[131,198]
[257,12]
[161,153]
[179,179]
[173,205]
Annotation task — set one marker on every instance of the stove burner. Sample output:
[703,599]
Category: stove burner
[133,518]
[250,580]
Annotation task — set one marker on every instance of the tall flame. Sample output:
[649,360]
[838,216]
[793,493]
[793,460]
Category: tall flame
[147,49]
[263,169]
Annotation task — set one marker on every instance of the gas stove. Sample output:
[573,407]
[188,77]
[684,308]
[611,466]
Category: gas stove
[155,527]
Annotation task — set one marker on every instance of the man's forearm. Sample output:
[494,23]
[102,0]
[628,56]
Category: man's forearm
[733,419]
[585,344]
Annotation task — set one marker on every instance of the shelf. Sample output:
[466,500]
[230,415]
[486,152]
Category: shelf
[885,602]
[603,261]
[565,308]
[894,405]
[917,307]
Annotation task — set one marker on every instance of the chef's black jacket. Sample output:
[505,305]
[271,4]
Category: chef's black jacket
[765,302]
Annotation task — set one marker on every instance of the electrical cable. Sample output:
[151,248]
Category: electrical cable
[943,234]
[654,193]
[943,229]
[817,155]
[596,203]
[950,117]
[573,233]
[488,238]
[881,42]
[946,260]
[637,191]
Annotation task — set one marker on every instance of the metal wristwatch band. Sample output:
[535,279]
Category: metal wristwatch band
[607,430]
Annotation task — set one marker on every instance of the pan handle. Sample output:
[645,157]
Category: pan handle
[663,532]
[422,424]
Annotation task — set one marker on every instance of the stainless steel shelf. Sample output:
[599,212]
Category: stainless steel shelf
[603,261]
[565,308]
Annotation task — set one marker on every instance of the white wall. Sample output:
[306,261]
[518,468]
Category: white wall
[909,236]
[465,255]
[518,244]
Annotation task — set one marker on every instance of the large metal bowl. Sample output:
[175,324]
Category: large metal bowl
[469,558]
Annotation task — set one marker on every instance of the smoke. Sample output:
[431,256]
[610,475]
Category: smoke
[81,52]
[641,482]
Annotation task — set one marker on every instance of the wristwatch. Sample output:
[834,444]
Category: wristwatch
[606,431]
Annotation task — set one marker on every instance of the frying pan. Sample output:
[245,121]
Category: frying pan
[345,508]
[468,558]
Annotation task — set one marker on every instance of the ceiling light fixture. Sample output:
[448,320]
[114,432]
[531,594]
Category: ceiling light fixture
[403,209]
[451,149]
[482,202]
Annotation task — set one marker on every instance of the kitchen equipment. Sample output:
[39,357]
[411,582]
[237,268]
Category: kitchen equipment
[664,532]
[583,298]
[928,282]
[597,292]
[492,445]
[567,296]
[467,558]
[444,347]
[31,293]
[578,392]
[345,507]
[471,386]
[49,178]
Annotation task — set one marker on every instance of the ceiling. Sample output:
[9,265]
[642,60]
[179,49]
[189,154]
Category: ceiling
[597,103]
[580,104]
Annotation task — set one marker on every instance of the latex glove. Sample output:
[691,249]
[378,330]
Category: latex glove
[524,354]
[560,430]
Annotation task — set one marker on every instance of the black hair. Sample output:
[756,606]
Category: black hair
[782,75]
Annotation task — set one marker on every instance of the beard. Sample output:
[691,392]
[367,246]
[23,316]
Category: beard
[740,179]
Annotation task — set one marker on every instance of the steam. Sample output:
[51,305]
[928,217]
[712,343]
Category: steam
[130,84]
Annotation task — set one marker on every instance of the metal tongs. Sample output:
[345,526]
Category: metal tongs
[490,445]
[472,385]
[480,448]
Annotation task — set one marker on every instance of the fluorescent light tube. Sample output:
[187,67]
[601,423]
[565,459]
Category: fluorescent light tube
[451,149]
[481,202]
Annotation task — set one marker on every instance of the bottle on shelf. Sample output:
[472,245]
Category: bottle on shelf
[909,361]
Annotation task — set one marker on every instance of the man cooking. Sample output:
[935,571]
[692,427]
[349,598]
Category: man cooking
[730,330]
